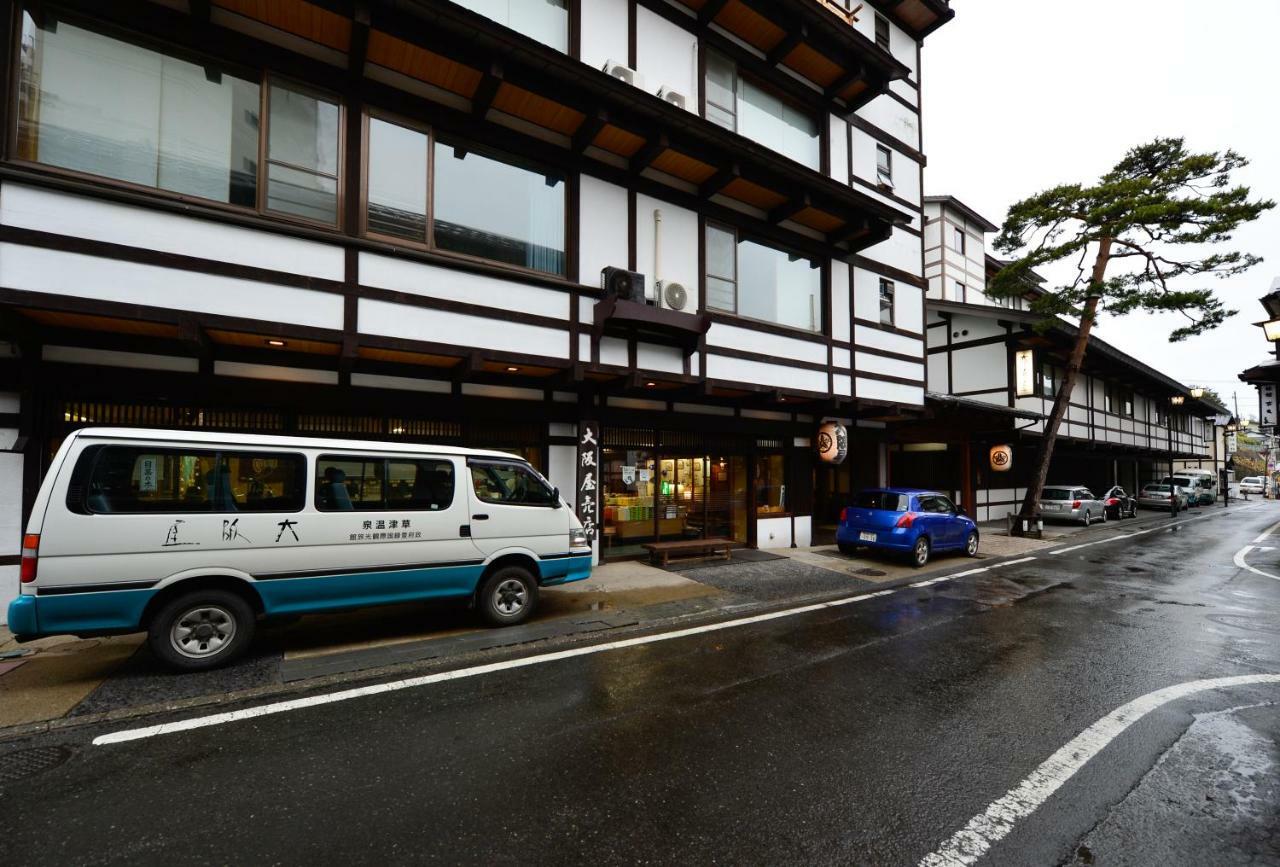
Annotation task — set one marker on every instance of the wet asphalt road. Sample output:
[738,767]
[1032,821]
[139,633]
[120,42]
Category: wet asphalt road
[867,734]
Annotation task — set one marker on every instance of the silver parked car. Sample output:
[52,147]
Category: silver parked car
[1169,497]
[1253,485]
[1071,503]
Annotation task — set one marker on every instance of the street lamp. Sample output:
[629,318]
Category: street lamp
[1271,329]
[1197,392]
[1177,400]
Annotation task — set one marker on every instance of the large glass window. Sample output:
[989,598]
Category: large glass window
[302,155]
[106,107]
[397,197]
[497,209]
[759,282]
[132,479]
[544,20]
[771,487]
[749,109]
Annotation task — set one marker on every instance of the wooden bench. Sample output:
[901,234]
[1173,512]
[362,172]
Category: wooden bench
[691,548]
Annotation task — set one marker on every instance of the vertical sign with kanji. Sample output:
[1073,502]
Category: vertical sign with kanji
[1267,403]
[589,477]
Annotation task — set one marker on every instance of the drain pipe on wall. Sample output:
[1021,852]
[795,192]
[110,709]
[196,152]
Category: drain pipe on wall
[657,257]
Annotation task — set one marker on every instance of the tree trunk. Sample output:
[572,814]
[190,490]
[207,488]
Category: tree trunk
[1031,503]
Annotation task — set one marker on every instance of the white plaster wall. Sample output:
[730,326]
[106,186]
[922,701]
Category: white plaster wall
[909,314]
[666,55]
[604,32]
[906,171]
[654,357]
[432,281]
[613,350]
[770,344]
[901,250]
[876,339]
[894,118]
[602,225]
[82,217]
[760,373]
[679,248]
[877,390]
[562,471]
[980,367]
[74,274]
[271,371]
[937,378]
[412,323]
[842,383]
[839,138]
[840,277]
[868,363]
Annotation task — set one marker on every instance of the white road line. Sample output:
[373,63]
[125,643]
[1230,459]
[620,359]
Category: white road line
[1141,533]
[973,841]
[1239,560]
[1012,562]
[476,670]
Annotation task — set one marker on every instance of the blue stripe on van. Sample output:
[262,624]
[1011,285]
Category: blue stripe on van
[121,610]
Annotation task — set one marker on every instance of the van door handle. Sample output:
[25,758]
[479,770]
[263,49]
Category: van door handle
[479,517]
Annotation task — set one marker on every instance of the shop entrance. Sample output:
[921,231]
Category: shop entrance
[665,497]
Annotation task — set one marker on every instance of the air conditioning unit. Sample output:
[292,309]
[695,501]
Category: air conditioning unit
[675,97]
[623,284]
[624,72]
[674,295]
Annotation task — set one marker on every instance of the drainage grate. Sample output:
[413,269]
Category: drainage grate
[870,573]
[28,763]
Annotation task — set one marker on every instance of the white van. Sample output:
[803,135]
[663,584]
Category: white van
[1201,485]
[194,536]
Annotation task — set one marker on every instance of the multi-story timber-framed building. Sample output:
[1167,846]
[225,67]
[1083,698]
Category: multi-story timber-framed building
[389,219]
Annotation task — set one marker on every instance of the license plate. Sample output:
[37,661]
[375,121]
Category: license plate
[1054,506]
[866,537]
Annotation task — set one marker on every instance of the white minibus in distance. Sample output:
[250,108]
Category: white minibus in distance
[1201,485]
[193,536]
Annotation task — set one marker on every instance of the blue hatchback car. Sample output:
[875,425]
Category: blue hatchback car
[906,520]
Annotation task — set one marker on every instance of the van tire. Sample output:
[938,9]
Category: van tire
[508,596]
[224,619]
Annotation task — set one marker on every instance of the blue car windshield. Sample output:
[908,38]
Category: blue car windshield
[882,500]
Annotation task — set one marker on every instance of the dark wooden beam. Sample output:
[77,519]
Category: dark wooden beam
[721,179]
[588,130]
[710,10]
[651,150]
[789,208]
[487,90]
[358,49]
[787,44]
[467,367]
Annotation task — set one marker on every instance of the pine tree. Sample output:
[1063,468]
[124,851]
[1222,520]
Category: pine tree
[1150,224]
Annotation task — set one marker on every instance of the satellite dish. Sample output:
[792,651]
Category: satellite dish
[675,295]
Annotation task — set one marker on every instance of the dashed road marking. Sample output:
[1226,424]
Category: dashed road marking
[990,826]
[1144,532]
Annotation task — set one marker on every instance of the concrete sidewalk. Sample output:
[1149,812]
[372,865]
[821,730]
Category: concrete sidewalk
[64,677]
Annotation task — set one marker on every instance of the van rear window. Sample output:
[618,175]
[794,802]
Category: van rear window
[144,479]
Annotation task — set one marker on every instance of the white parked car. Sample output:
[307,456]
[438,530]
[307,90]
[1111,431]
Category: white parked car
[192,536]
[1253,485]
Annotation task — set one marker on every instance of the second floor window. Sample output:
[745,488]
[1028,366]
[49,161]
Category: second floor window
[887,293]
[962,292]
[759,282]
[302,155]
[478,204]
[884,165]
[544,20]
[1048,381]
[957,239]
[741,105]
[882,31]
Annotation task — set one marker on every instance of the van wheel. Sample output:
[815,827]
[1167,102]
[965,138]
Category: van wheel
[509,596]
[202,629]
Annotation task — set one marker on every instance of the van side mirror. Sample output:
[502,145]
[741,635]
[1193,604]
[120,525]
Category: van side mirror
[555,498]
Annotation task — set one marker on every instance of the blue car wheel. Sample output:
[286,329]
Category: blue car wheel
[920,552]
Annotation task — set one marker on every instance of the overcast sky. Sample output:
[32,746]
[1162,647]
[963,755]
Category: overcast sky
[1020,95]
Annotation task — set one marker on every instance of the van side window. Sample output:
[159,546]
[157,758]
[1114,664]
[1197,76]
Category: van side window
[510,484]
[133,479]
[419,484]
[367,484]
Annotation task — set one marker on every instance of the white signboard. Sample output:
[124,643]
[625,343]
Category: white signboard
[1267,403]
[628,475]
[1231,443]
[147,473]
[1025,373]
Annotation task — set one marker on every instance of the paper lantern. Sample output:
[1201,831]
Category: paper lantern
[833,442]
[1001,458]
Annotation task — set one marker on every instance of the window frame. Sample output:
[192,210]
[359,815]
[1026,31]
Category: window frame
[385,460]
[269,80]
[887,41]
[959,240]
[110,30]
[370,114]
[738,238]
[893,301]
[88,459]
[962,292]
[524,465]
[738,76]
[884,175]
